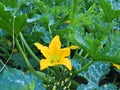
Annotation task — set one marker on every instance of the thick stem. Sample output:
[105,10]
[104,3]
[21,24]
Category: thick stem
[39,74]
[28,48]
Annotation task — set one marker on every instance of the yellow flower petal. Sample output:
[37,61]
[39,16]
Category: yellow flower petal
[55,43]
[74,47]
[44,63]
[44,50]
[117,66]
[67,63]
[64,52]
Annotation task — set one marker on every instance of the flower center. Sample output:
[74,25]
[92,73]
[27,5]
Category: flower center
[54,59]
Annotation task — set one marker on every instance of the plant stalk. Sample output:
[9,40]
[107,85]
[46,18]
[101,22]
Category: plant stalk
[39,74]
[28,48]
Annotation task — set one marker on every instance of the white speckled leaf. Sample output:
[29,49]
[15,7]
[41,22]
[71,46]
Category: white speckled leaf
[94,74]
[13,79]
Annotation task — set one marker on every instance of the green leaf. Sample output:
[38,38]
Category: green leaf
[113,46]
[88,3]
[2,33]
[6,19]
[34,18]
[86,87]
[110,14]
[13,79]
[41,5]
[112,49]
[85,19]
[93,45]
[77,62]
[11,22]
[64,32]
[87,42]
[20,23]
[93,75]
[30,86]
[108,86]
[96,72]
[111,52]
[10,3]
[100,29]
[17,61]
[96,49]
[43,33]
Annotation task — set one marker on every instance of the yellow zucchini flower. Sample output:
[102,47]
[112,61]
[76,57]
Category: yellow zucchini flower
[54,54]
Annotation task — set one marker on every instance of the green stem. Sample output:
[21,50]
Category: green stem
[3,64]
[50,31]
[82,69]
[39,74]
[28,48]
[73,9]
[81,51]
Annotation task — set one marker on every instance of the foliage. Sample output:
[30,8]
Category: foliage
[16,79]
[92,25]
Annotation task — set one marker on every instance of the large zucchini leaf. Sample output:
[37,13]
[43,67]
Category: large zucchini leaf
[94,74]
[10,22]
[13,79]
